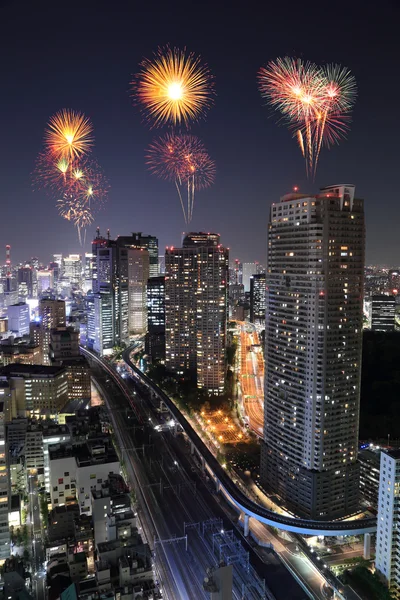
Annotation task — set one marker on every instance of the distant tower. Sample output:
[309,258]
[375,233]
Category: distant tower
[8,260]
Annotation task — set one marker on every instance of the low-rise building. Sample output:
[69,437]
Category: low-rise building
[38,390]
[76,470]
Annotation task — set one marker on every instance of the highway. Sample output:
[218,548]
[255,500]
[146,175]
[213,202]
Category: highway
[238,498]
[176,501]
[251,376]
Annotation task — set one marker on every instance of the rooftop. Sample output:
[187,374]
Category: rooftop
[395,453]
[19,370]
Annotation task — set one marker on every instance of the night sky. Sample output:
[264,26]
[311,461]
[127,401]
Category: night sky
[81,55]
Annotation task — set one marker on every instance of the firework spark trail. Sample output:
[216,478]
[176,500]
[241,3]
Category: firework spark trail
[182,159]
[173,88]
[314,100]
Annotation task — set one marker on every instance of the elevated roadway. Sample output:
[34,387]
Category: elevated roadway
[225,484]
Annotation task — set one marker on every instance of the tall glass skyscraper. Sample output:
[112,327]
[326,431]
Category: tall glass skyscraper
[314,295]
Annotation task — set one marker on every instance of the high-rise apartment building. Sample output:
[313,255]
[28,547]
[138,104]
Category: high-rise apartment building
[196,283]
[383,312]
[138,276]
[155,338]
[387,537]
[257,298]
[314,279]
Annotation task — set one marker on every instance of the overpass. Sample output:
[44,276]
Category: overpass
[224,483]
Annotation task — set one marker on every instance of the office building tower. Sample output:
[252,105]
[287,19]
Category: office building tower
[149,242]
[260,269]
[383,312]
[196,283]
[18,319]
[138,276]
[45,281]
[238,272]
[155,338]
[5,504]
[314,293]
[64,351]
[161,264]
[10,286]
[387,537]
[110,290]
[257,298]
[72,270]
[51,315]
[25,278]
[249,269]
[88,272]
[36,390]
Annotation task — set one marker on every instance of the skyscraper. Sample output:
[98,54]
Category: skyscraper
[72,270]
[196,282]
[25,277]
[314,293]
[383,311]
[257,298]
[249,269]
[18,318]
[155,338]
[138,276]
[110,289]
[149,242]
[51,314]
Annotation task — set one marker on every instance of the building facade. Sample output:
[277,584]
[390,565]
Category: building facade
[138,275]
[155,338]
[18,319]
[5,500]
[387,536]
[51,315]
[257,298]
[314,292]
[196,283]
[383,312]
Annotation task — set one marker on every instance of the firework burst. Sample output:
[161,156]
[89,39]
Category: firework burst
[315,101]
[76,182]
[69,135]
[183,160]
[173,88]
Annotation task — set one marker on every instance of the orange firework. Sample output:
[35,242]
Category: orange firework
[174,87]
[69,135]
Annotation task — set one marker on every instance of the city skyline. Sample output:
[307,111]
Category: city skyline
[257,162]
